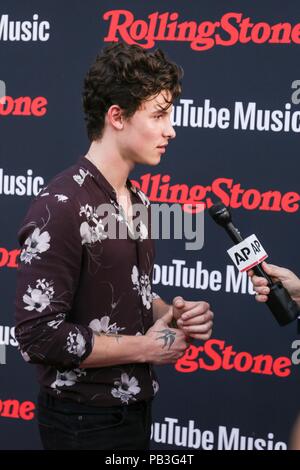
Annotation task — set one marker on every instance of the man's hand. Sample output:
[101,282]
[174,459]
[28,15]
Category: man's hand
[195,319]
[165,345]
[289,280]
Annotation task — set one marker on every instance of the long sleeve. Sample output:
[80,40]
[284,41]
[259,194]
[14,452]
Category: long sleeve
[77,280]
[47,277]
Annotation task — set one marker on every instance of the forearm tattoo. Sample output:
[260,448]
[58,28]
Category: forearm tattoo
[118,337]
[168,336]
[114,335]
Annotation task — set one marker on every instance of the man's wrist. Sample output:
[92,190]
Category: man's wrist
[160,308]
[144,349]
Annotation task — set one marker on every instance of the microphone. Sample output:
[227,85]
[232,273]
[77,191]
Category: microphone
[283,307]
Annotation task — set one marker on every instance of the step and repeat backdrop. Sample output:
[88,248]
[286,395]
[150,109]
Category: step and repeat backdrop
[238,126]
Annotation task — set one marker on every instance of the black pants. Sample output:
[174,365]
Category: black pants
[74,426]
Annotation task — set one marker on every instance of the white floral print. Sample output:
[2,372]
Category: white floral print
[155,386]
[61,197]
[126,388]
[25,356]
[81,177]
[143,286]
[119,215]
[141,195]
[67,378]
[143,198]
[155,296]
[76,344]
[43,192]
[40,297]
[55,323]
[38,242]
[102,326]
[88,211]
[135,277]
[143,231]
[92,230]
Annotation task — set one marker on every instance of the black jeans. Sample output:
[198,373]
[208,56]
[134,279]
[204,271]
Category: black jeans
[73,426]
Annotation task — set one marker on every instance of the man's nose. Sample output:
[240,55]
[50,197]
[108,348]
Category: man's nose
[169,131]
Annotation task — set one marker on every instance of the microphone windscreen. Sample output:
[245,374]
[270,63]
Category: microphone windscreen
[220,213]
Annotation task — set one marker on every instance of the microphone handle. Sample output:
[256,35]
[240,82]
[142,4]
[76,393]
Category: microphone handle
[283,307]
[281,304]
[258,270]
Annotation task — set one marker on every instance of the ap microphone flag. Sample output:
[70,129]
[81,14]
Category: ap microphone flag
[249,254]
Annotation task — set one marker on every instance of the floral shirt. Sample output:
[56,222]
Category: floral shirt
[75,281]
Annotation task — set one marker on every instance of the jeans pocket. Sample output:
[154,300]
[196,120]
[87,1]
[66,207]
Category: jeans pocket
[100,421]
[100,431]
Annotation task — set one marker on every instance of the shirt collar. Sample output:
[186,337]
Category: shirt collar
[100,178]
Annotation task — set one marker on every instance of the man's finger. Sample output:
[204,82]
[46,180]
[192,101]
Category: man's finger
[201,336]
[261,298]
[200,329]
[188,304]
[167,317]
[178,302]
[199,309]
[197,319]
[259,281]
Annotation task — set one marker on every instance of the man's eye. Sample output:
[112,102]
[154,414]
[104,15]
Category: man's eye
[158,116]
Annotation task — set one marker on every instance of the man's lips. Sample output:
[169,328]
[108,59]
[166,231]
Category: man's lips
[162,147]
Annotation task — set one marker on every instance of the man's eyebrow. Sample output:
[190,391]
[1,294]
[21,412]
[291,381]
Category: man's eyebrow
[161,109]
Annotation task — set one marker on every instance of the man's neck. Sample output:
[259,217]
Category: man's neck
[110,163]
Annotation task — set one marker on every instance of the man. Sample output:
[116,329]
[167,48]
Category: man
[86,314]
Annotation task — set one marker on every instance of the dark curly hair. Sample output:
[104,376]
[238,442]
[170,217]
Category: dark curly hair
[126,75]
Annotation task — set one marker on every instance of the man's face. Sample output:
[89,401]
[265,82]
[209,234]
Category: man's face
[147,133]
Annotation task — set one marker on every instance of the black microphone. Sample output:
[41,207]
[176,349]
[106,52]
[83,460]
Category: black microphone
[283,307]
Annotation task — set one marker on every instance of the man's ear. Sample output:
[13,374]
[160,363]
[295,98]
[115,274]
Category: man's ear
[115,117]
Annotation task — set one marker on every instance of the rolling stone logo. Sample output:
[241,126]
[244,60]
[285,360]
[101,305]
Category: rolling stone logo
[231,29]
[158,188]
[215,355]
[23,106]
[9,258]
[15,409]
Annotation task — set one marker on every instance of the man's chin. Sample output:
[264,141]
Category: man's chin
[154,161]
[150,161]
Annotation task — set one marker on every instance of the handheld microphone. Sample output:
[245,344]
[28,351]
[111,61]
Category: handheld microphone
[283,307]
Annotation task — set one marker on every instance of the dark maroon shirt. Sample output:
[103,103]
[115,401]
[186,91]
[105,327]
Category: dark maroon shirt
[74,281]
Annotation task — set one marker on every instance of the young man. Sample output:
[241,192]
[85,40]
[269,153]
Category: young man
[85,311]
